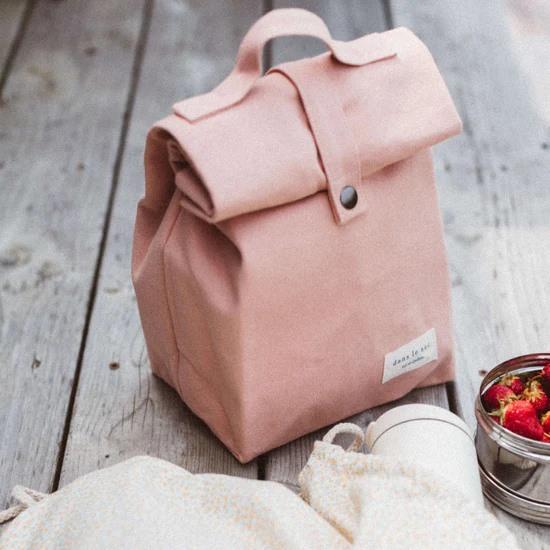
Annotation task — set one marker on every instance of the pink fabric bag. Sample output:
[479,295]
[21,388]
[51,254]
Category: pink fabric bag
[289,263]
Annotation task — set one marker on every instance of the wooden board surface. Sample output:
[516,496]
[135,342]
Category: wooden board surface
[60,123]
[123,411]
[84,82]
[494,189]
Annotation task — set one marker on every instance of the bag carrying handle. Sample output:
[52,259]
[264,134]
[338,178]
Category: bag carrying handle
[248,65]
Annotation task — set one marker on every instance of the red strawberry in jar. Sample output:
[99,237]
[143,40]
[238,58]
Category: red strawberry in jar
[535,394]
[521,418]
[497,396]
[514,383]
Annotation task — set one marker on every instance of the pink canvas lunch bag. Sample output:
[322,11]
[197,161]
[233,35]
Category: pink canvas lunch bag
[288,261]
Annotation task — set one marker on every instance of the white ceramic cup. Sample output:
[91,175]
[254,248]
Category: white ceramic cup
[432,436]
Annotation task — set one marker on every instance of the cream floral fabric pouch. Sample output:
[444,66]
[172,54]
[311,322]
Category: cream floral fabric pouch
[348,500]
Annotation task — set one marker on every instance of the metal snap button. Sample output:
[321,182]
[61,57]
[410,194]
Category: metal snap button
[348,197]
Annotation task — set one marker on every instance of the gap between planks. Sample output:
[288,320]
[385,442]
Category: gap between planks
[15,42]
[135,73]
[123,412]
[62,107]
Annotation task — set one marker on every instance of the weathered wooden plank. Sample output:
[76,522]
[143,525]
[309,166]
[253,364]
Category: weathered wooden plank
[494,184]
[60,120]
[124,411]
[12,15]
[346,20]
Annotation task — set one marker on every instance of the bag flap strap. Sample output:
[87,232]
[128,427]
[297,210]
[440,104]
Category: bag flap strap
[333,137]
[248,65]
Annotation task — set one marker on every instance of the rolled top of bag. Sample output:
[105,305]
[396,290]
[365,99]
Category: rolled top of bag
[310,126]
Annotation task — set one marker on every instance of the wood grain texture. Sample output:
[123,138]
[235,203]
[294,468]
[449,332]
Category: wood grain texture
[346,21]
[61,123]
[59,128]
[121,409]
[12,14]
[493,183]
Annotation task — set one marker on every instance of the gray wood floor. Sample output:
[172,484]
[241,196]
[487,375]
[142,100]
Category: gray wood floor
[80,83]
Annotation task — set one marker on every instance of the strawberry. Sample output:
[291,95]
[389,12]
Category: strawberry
[521,418]
[546,372]
[535,394]
[514,383]
[496,396]
[545,422]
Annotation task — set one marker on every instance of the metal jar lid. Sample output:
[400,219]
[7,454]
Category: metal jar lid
[515,471]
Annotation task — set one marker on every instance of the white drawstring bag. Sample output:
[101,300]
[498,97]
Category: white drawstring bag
[349,500]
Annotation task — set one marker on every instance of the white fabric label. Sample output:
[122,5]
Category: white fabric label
[411,356]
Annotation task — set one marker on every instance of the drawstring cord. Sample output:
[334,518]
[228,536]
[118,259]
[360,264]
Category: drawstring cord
[347,428]
[25,498]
